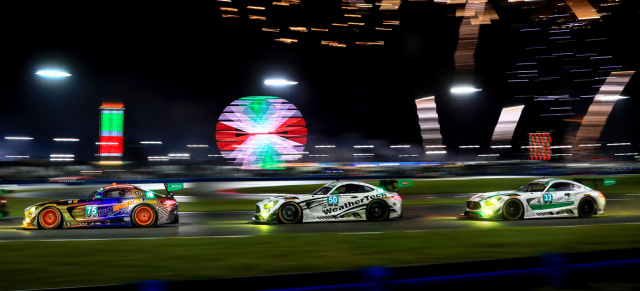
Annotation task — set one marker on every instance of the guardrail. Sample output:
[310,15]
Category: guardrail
[567,270]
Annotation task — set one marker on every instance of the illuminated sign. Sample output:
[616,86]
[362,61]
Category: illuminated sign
[111,129]
[539,146]
[261,132]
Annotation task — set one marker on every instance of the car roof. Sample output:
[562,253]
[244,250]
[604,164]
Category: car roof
[549,180]
[119,186]
[340,183]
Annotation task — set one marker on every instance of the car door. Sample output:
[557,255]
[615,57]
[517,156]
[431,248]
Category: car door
[345,199]
[99,208]
[564,193]
[556,195]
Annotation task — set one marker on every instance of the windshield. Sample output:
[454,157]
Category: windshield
[88,197]
[322,191]
[534,187]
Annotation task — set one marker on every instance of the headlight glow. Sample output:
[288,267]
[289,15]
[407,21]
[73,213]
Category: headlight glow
[270,204]
[487,211]
[492,201]
[265,214]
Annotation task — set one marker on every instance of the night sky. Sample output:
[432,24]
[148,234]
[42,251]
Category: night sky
[177,66]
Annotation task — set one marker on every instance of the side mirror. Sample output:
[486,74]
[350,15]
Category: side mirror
[335,192]
[521,187]
[552,189]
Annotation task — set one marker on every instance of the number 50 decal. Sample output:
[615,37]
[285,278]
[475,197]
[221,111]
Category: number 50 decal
[91,211]
[332,200]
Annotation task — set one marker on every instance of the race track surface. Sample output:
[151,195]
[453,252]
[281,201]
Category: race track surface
[237,223]
[620,209]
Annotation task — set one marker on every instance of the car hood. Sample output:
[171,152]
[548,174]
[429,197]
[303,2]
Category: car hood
[487,195]
[56,202]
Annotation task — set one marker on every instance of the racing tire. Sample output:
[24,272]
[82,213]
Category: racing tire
[143,216]
[50,218]
[512,209]
[289,212]
[587,207]
[377,210]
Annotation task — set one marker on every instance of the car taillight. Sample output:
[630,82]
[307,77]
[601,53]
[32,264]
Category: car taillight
[600,195]
[3,201]
[396,197]
[169,202]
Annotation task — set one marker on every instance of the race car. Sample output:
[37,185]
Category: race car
[335,201]
[540,198]
[114,205]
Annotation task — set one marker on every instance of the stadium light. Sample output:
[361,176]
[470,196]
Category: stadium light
[279,82]
[52,74]
[464,89]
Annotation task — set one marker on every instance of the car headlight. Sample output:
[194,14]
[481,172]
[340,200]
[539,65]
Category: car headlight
[31,211]
[271,204]
[492,201]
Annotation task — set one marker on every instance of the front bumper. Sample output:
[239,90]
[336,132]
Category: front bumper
[260,218]
[29,223]
[477,214]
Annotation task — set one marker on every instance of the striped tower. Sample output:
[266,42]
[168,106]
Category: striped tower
[111,132]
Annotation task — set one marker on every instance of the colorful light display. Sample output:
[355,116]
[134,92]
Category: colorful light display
[261,132]
[111,130]
[539,144]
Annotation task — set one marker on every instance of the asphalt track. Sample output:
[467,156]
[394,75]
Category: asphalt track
[621,209]
[237,223]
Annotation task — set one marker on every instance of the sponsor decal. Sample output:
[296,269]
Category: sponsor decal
[137,193]
[91,211]
[127,204]
[350,204]
[75,201]
[332,200]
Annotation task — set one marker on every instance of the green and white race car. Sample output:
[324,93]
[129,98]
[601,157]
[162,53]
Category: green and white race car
[335,201]
[540,198]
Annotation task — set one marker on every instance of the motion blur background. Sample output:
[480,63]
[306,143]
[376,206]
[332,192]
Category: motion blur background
[363,71]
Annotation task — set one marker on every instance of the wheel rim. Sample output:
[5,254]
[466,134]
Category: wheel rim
[49,218]
[289,213]
[587,206]
[512,210]
[144,216]
[376,210]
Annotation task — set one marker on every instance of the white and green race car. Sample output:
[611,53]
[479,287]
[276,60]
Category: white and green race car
[335,201]
[540,198]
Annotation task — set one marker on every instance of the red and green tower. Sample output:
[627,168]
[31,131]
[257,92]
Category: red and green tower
[111,132]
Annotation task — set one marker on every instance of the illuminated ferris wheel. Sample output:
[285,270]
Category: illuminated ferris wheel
[261,132]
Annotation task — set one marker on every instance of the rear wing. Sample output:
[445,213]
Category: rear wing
[170,187]
[393,185]
[596,181]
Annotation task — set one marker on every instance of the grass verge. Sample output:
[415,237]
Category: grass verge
[82,263]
